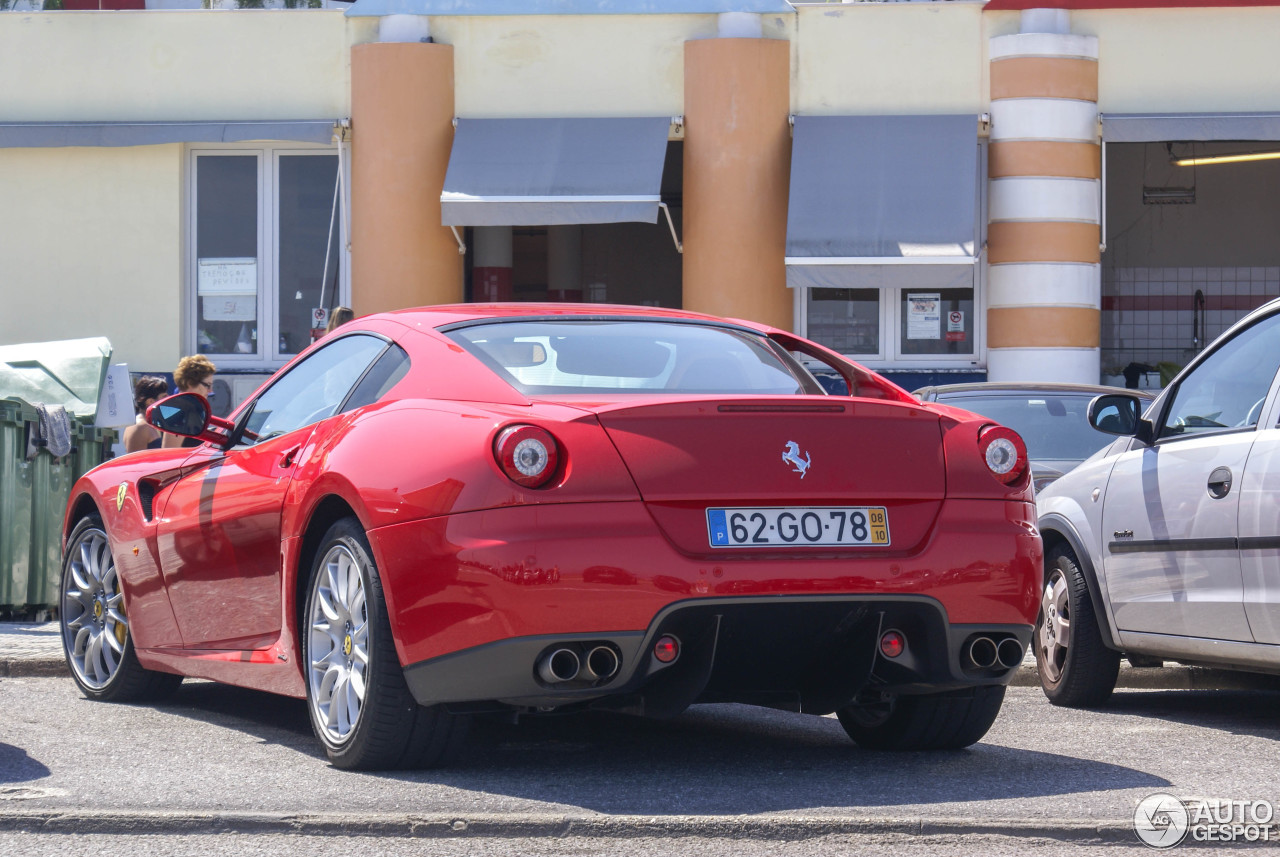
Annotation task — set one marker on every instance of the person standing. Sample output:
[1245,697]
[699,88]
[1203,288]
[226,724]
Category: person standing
[141,435]
[193,375]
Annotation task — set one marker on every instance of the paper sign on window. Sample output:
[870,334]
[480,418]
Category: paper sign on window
[230,307]
[226,276]
[924,315]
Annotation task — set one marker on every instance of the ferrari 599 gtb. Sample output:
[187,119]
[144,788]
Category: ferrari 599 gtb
[526,508]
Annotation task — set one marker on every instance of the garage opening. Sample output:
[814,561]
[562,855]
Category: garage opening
[1192,216]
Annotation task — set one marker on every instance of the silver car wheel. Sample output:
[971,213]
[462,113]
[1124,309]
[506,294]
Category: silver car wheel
[94,627]
[1055,625]
[338,644]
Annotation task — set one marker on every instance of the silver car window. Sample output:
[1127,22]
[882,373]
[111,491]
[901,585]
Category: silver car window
[1228,389]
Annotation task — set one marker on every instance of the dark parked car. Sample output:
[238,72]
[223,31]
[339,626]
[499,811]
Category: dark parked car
[1052,418]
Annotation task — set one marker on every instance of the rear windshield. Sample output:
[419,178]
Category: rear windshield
[564,357]
[1053,426]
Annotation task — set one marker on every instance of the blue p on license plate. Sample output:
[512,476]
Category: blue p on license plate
[798,526]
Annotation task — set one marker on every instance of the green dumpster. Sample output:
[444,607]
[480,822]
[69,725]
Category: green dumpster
[92,447]
[15,503]
[51,481]
[70,374]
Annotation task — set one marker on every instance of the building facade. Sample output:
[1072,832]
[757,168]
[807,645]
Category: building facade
[940,190]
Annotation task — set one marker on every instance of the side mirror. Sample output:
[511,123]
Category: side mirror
[1120,414]
[189,415]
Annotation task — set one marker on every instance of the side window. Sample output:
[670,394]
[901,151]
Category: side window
[1228,389]
[314,389]
[378,381]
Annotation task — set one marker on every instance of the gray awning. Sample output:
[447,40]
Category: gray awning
[547,172]
[877,190]
[1162,127]
[565,7]
[32,135]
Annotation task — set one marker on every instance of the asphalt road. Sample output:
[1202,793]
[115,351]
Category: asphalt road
[78,776]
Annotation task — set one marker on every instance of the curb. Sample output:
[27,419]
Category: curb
[33,667]
[513,826]
[1169,678]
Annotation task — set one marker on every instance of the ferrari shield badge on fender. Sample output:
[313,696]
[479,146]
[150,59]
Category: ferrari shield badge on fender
[791,455]
[121,493]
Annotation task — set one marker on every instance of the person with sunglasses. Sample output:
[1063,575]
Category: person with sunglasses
[193,375]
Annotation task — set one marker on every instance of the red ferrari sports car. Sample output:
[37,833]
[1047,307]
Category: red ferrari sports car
[528,508]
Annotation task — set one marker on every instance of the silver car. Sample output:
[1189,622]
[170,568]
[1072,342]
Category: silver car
[1051,418]
[1166,543]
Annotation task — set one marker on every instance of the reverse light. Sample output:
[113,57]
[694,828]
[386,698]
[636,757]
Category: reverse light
[667,649]
[527,455]
[1004,453]
[892,644]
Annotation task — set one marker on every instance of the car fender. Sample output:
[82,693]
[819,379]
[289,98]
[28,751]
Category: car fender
[1057,518]
[115,492]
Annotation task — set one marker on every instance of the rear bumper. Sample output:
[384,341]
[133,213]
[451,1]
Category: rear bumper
[475,597]
[803,653]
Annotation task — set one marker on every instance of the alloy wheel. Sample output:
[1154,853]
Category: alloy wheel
[1054,633]
[94,625]
[338,650]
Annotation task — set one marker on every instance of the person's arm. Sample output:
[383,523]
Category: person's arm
[135,438]
[171,441]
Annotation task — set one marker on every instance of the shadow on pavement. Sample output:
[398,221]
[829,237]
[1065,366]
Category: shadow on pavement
[271,718]
[714,759]
[1238,712]
[17,767]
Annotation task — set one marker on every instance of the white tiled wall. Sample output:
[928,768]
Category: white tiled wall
[1147,312]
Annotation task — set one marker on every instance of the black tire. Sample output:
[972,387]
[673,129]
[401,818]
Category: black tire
[94,624]
[390,730]
[938,721]
[1081,673]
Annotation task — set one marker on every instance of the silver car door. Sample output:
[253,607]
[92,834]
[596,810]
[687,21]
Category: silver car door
[1260,526]
[1170,515]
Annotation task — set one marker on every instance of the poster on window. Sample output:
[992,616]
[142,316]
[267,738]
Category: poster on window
[226,276]
[924,315]
[955,326]
[229,307]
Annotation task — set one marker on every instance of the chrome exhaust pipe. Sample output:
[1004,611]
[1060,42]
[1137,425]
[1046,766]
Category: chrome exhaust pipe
[601,663]
[559,666]
[1009,653]
[983,653]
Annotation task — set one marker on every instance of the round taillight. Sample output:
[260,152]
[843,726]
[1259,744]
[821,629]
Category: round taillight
[892,644]
[1004,452]
[527,454]
[667,649]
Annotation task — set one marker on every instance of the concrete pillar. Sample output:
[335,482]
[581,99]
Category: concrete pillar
[564,263]
[737,167]
[1044,292]
[402,133]
[491,265]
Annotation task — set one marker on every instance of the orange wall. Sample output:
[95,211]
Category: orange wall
[737,161]
[402,132]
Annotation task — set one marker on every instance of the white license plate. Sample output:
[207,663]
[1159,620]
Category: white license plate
[785,526]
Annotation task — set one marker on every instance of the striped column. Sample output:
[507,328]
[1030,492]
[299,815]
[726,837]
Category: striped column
[1044,278]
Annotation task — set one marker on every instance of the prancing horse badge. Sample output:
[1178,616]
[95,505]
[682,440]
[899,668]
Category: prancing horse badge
[121,493]
[791,455]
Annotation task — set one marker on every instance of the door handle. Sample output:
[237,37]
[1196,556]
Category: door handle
[287,459]
[1220,483]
